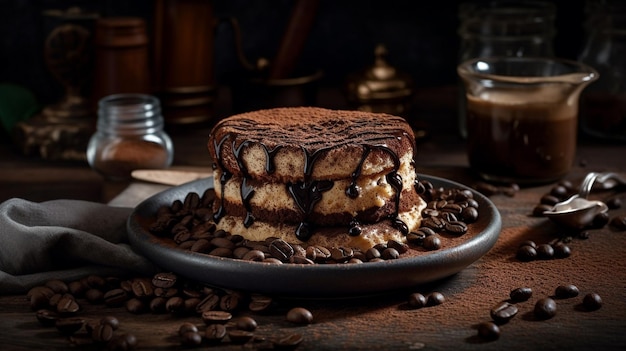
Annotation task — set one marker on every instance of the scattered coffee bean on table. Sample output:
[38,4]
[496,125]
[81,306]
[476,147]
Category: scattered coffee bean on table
[545,308]
[503,312]
[417,300]
[435,298]
[488,331]
[521,294]
[592,301]
[566,291]
[299,315]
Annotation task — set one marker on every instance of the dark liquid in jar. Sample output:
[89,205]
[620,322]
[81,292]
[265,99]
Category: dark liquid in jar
[525,143]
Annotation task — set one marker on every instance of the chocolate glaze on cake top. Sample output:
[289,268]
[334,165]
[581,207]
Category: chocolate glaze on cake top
[314,134]
[314,131]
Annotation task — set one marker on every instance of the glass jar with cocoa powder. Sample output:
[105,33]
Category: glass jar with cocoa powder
[129,135]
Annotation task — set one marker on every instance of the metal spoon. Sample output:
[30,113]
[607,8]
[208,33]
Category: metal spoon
[577,212]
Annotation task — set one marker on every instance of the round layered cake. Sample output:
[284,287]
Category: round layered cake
[315,176]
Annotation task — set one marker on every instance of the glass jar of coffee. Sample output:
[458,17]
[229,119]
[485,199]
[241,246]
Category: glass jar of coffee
[522,115]
[506,28]
[129,135]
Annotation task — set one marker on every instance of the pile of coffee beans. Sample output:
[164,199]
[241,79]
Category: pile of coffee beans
[190,224]
[543,309]
[59,304]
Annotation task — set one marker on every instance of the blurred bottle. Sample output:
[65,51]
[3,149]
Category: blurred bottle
[503,28]
[122,57]
[603,105]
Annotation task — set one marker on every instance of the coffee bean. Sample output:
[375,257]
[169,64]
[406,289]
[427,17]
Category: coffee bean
[526,253]
[435,223]
[246,323]
[240,336]
[67,304]
[40,297]
[299,315]
[592,302]
[135,305]
[187,327]
[549,200]
[123,342]
[115,297]
[259,303]
[521,294]
[486,189]
[142,288]
[211,317]
[545,251]
[300,260]
[341,254]
[58,286]
[456,227]
[416,238]
[614,203]
[618,222]
[208,303]
[538,211]
[469,214]
[76,288]
[158,305]
[600,220]
[566,291]
[417,300]
[215,333]
[54,300]
[503,312]
[221,252]
[288,342]
[435,298]
[191,339]
[390,254]
[94,296]
[230,302]
[175,304]
[68,326]
[398,246]
[561,250]
[560,191]
[432,243]
[254,255]
[164,280]
[545,308]
[112,321]
[281,250]
[488,331]
[102,333]
[47,317]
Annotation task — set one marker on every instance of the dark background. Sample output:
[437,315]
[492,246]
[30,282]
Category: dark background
[421,37]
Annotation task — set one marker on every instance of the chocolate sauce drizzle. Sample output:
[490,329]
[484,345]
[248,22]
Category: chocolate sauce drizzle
[307,193]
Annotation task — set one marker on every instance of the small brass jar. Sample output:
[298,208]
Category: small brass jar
[381,88]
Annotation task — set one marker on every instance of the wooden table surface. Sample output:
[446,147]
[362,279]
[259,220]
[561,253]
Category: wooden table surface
[597,264]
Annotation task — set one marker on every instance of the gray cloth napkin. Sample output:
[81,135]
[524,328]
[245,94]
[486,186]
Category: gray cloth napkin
[63,239]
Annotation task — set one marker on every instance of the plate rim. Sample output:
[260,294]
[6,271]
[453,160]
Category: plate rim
[309,280]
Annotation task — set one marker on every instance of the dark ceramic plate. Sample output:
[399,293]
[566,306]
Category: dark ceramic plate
[321,280]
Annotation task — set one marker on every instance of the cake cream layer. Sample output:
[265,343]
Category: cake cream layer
[334,236]
[291,144]
[376,198]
